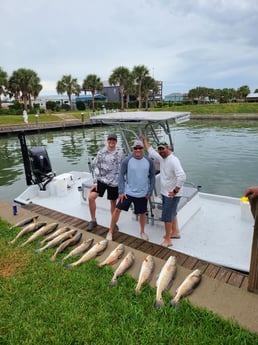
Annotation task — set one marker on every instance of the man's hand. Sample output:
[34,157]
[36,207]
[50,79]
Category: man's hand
[252,192]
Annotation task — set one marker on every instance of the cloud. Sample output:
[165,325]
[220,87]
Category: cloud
[183,43]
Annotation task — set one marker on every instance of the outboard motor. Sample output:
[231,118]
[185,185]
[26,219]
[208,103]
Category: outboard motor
[37,164]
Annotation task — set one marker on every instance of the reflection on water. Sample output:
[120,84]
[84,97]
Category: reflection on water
[220,158]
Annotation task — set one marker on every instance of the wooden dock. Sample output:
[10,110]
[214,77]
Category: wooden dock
[225,275]
[222,291]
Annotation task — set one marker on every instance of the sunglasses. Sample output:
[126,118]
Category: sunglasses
[138,148]
[162,143]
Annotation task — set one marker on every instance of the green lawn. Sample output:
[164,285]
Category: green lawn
[41,302]
[232,108]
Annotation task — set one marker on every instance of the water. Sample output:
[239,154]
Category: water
[220,157]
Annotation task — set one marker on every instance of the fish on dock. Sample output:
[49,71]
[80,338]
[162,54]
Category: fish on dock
[27,229]
[68,243]
[44,230]
[94,251]
[79,250]
[57,240]
[145,273]
[55,234]
[165,280]
[125,264]
[187,287]
[114,256]
[24,222]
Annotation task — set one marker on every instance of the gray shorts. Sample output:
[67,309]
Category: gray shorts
[169,208]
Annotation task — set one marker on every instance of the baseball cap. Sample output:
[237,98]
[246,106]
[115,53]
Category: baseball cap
[112,136]
[162,144]
[138,143]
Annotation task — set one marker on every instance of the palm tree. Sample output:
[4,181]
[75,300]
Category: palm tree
[3,84]
[140,72]
[120,75]
[149,89]
[23,83]
[69,85]
[243,91]
[92,83]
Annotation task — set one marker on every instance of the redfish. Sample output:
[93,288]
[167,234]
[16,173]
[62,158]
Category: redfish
[165,280]
[187,287]
[114,256]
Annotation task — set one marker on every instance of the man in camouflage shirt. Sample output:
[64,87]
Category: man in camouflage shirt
[106,168]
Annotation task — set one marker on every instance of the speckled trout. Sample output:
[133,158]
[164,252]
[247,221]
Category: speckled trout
[46,229]
[67,243]
[56,233]
[29,228]
[79,250]
[96,250]
[57,240]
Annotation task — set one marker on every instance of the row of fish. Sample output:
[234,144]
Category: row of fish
[65,237]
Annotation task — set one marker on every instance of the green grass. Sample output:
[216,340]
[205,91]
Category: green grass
[227,108]
[41,302]
[223,108]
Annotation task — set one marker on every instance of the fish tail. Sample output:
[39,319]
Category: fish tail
[113,282]
[174,303]
[159,303]
[38,250]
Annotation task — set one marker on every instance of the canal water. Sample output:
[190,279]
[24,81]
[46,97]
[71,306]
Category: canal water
[221,157]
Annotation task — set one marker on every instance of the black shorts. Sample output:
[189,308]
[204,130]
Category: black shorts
[112,192]
[140,204]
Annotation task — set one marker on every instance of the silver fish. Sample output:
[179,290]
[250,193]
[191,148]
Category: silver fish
[146,272]
[29,228]
[55,234]
[70,242]
[114,256]
[125,264]
[165,280]
[46,229]
[24,222]
[96,250]
[187,287]
[57,240]
[79,250]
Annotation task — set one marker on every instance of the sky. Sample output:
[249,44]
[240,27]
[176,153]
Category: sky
[183,43]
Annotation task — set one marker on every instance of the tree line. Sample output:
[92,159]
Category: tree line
[24,85]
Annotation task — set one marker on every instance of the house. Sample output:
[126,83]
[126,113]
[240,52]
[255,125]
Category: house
[174,97]
[252,97]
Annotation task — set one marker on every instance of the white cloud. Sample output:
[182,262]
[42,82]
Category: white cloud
[184,43]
